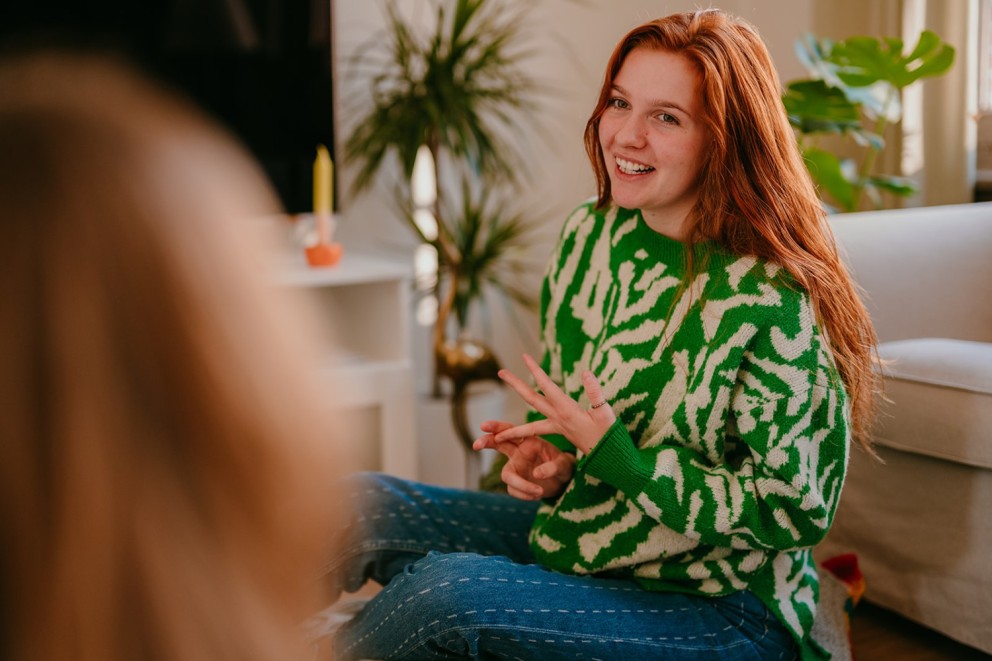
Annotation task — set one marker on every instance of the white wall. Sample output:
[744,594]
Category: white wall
[576,38]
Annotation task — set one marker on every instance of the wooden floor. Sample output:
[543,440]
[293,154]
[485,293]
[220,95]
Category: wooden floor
[881,635]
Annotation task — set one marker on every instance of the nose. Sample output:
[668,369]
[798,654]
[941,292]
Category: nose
[632,131]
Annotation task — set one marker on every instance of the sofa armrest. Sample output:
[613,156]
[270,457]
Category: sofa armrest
[938,399]
[926,272]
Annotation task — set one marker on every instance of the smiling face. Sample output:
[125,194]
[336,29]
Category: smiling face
[653,138]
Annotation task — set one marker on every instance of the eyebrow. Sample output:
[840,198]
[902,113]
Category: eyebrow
[656,104]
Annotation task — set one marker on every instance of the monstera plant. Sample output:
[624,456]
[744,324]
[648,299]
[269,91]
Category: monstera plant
[854,90]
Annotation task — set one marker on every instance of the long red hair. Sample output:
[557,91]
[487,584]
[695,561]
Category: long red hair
[755,195]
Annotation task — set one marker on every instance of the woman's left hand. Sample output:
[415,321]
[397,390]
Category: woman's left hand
[563,415]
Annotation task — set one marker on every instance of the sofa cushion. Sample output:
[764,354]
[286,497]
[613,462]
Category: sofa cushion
[940,393]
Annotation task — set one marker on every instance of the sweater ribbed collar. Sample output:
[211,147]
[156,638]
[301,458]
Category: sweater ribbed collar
[707,254]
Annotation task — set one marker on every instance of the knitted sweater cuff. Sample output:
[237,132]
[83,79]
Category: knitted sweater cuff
[616,461]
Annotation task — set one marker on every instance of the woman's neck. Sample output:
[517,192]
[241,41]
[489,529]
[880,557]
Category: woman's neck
[672,225]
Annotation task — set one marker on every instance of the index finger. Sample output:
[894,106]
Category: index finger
[519,432]
[537,402]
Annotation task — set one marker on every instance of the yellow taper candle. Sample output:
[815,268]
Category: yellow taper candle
[323,181]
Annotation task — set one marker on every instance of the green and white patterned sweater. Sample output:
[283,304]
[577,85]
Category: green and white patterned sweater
[726,462]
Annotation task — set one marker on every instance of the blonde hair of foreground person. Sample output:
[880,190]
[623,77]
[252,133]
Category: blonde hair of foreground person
[164,457]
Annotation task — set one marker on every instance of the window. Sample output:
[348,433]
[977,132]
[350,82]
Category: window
[985,56]
[983,143]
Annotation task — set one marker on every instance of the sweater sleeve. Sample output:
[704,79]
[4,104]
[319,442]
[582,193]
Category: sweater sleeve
[771,478]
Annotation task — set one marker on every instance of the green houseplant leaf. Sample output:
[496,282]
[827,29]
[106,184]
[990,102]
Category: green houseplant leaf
[456,84]
[875,97]
[815,107]
[854,90]
[451,90]
[828,173]
[898,185]
[864,61]
[491,241]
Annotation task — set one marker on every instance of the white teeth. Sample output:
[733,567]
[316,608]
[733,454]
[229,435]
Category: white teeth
[629,167]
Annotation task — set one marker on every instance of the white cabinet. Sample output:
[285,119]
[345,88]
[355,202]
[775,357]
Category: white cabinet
[366,299]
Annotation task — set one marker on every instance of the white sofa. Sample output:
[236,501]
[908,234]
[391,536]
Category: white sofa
[921,522]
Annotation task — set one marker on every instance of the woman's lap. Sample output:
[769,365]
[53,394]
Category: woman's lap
[396,522]
[460,584]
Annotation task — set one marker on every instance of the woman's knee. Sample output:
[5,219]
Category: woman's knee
[363,484]
[450,585]
[372,496]
[437,603]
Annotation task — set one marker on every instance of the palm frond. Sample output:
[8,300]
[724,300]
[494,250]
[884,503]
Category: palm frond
[491,242]
[458,86]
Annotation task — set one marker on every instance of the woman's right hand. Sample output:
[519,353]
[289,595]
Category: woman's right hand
[534,469]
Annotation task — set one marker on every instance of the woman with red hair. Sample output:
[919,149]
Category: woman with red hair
[706,363]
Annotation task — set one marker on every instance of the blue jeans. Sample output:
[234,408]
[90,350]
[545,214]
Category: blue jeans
[461,583]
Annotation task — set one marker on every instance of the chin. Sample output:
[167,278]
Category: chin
[625,201]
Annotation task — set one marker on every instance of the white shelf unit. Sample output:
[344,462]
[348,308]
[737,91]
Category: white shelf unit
[366,300]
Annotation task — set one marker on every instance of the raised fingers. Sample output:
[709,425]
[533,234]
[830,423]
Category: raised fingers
[488,439]
[526,393]
[495,426]
[550,389]
[536,428]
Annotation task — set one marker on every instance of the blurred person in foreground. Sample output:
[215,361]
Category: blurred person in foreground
[165,458]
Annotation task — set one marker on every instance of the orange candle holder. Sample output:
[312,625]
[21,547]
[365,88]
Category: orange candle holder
[324,252]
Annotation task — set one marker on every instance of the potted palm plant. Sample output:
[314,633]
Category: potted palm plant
[455,90]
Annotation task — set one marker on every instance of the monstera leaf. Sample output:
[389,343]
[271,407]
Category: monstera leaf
[854,90]
[828,172]
[815,107]
[877,98]
[863,61]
